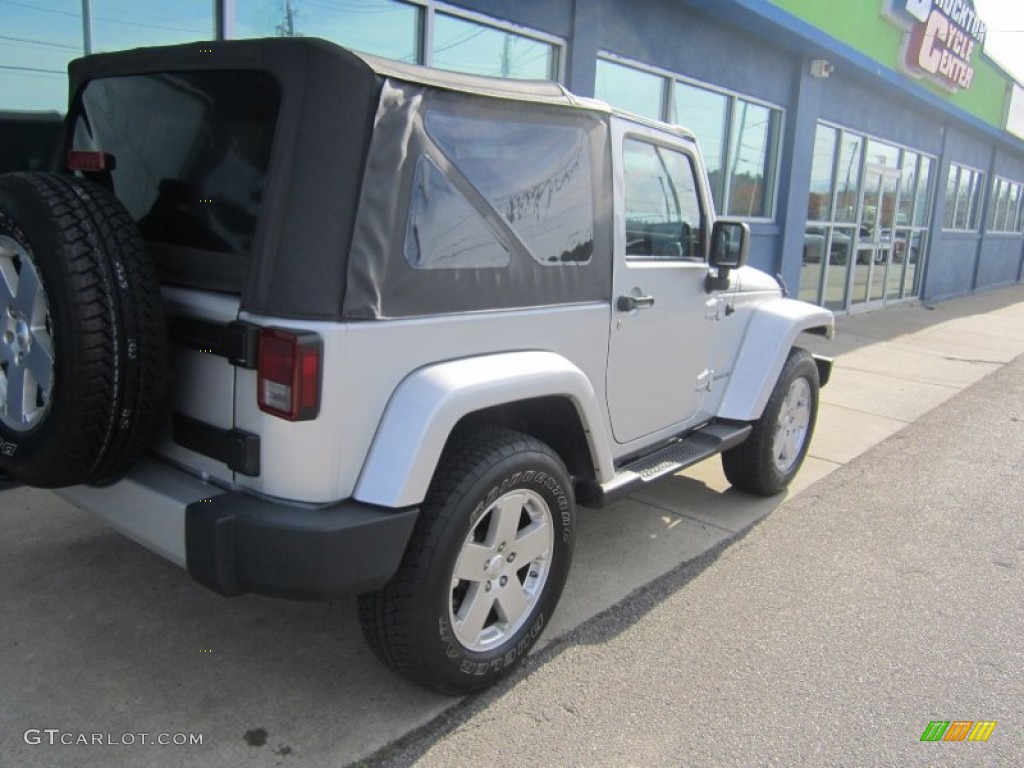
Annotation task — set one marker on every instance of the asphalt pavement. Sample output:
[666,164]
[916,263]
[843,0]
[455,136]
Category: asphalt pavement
[99,637]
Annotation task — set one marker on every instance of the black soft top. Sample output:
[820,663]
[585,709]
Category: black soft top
[330,98]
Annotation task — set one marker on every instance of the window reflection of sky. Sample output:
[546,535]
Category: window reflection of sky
[39,37]
[381,27]
[731,130]
[629,89]
[37,40]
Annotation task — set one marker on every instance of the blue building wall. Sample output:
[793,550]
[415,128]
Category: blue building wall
[861,105]
[1000,260]
[951,265]
[961,262]
[711,43]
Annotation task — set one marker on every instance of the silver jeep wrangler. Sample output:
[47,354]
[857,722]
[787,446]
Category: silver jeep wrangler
[310,323]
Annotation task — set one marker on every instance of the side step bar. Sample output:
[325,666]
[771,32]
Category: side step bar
[716,437]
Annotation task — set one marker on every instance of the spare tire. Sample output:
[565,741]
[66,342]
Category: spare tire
[82,336]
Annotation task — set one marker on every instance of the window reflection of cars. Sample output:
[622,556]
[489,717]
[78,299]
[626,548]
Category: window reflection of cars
[900,248]
[869,245]
[814,246]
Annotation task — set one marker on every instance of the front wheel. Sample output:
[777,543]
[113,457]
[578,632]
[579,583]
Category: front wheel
[769,459]
[485,566]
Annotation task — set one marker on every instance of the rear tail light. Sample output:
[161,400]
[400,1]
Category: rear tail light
[288,377]
[89,161]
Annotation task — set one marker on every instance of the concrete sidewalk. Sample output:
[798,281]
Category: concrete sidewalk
[99,635]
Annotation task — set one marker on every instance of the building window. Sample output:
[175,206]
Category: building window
[381,27]
[38,43]
[739,137]
[707,115]
[414,32]
[868,209]
[467,46]
[1004,209]
[963,198]
[121,24]
[751,163]
[633,90]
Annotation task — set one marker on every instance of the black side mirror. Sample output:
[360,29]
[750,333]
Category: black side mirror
[730,244]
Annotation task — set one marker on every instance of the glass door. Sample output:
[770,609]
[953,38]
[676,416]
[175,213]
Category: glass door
[875,241]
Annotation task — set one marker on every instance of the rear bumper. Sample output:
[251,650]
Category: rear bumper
[235,543]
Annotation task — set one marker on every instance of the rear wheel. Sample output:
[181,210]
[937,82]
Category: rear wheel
[485,566]
[82,340]
[770,458]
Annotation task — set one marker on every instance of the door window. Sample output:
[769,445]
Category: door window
[664,219]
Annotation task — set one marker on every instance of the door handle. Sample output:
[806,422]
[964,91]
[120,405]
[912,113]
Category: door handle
[629,303]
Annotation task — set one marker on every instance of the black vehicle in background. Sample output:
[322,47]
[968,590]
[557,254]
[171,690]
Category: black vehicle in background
[28,140]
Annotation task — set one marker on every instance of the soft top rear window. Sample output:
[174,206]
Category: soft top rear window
[192,150]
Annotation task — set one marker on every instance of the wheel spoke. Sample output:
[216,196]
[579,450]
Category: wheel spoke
[779,445]
[802,415]
[14,403]
[8,275]
[792,444]
[472,562]
[505,517]
[476,607]
[512,602]
[40,364]
[533,542]
[28,289]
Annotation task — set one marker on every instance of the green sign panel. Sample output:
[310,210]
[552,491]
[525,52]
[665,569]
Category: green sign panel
[935,43]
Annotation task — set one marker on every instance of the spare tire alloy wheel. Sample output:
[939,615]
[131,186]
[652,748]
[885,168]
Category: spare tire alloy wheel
[83,365]
[485,566]
[26,346]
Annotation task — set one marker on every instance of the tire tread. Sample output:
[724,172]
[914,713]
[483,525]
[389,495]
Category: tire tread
[96,241]
[385,615]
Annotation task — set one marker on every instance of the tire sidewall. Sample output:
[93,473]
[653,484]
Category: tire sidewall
[449,660]
[28,449]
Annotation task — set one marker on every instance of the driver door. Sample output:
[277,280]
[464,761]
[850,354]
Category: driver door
[662,316]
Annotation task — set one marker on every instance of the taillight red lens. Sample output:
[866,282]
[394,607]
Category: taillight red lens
[86,160]
[288,376]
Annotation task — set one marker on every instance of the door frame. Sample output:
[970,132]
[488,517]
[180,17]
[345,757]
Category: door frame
[875,244]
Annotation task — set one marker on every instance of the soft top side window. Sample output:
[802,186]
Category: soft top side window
[535,175]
